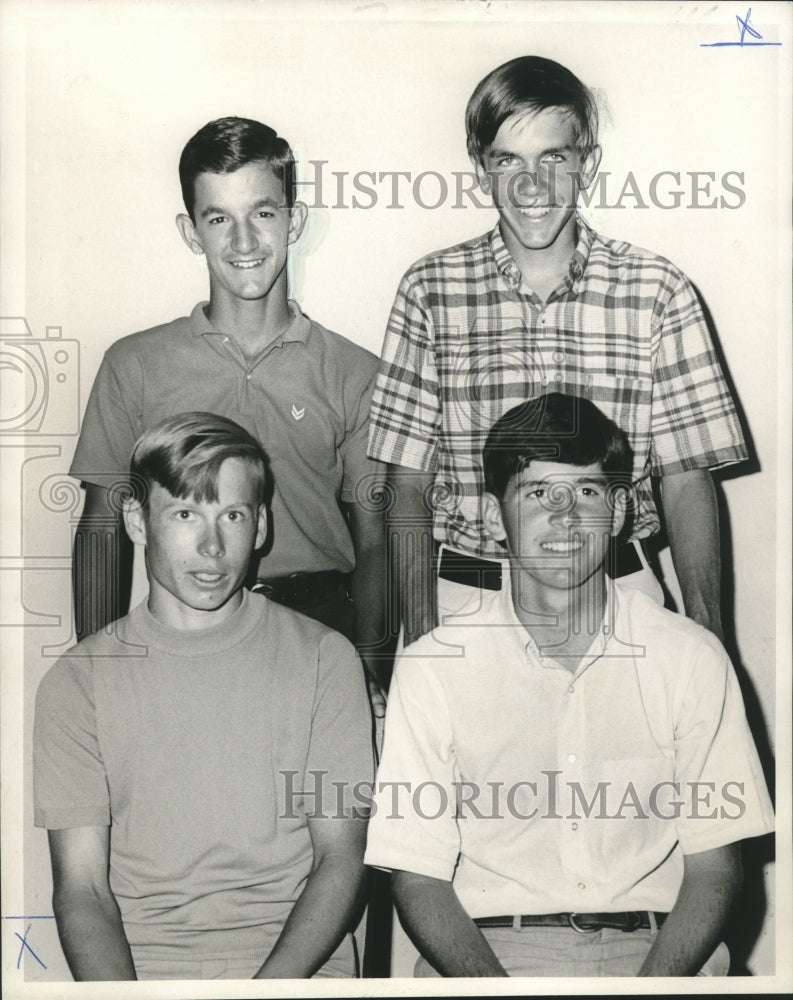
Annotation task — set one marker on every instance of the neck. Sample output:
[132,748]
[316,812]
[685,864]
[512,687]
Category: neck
[253,323]
[172,612]
[562,623]
[542,270]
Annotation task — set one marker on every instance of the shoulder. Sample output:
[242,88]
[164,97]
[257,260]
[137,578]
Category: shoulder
[449,259]
[308,641]
[153,340]
[342,351]
[461,649]
[678,641]
[611,253]
[74,669]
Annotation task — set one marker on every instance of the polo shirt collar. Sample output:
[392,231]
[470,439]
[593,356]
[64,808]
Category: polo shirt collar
[507,266]
[298,329]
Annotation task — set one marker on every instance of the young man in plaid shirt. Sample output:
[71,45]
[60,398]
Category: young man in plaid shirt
[544,304]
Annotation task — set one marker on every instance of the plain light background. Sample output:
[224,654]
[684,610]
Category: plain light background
[101,97]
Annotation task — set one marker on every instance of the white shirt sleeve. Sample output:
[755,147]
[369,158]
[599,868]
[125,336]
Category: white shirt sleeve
[413,825]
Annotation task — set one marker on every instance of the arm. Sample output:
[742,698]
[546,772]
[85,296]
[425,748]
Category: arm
[328,904]
[692,523]
[711,881]
[412,550]
[101,564]
[440,928]
[86,912]
[369,595]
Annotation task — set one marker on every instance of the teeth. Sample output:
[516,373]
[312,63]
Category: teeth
[208,577]
[562,546]
[245,264]
[536,211]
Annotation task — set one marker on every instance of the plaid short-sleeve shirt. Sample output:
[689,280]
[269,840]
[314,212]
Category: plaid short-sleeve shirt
[467,340]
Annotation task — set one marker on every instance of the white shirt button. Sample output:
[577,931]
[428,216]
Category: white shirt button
[558,357]
[571,758]
[582,886]
[248,377]
[570,689]
[575,826]
[225,340]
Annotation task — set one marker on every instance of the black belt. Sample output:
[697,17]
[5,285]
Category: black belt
[300,588]
[470,570]
[632,920]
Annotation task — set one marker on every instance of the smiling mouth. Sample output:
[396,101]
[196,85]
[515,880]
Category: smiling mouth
[535,211]
[568,546]
[246,265]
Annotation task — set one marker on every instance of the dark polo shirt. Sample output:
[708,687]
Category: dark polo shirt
[306,398]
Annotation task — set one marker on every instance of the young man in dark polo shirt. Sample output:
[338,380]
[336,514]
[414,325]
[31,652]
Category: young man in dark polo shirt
[251,355]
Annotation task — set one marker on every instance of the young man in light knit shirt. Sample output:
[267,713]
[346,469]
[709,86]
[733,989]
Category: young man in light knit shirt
[173,756]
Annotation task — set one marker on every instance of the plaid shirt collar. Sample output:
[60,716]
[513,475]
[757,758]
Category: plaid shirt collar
[507,266]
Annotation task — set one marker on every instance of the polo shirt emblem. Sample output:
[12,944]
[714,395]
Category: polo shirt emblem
[298,414]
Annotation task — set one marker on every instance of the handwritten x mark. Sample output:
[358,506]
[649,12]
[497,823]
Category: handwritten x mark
[25,944]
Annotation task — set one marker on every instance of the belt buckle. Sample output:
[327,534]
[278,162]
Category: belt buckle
[579,930]
[634,921]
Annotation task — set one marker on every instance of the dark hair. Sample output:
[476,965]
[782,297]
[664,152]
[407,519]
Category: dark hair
[184,453]
[554,428]
[526,85]
[225,145]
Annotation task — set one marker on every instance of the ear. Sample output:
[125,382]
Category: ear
[619,502]
[590,166]
[261,527]
[135,522]
[297,219]
[484,178]
[491,515]
[188,232]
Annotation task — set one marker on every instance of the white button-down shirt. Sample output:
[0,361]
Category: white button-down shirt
[537,789]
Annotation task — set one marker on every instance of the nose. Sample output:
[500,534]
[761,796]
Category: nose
[565,506]
[243,237]
[211,542]
[524,187]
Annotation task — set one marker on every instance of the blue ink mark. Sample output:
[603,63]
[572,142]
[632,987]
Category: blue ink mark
[25,944]
[743,27]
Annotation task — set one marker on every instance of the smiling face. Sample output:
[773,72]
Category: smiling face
[244,227]
[557,521]
[534,170]
[197,552]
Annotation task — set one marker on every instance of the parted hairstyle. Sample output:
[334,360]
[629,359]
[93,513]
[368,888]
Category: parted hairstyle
[554,428]
[524,86]
[226,144]
[184,453]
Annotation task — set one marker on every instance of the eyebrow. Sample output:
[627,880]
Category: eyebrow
[262,203]
[554,481]
[193,504]
[499,151]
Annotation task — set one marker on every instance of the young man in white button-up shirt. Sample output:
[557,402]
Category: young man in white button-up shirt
[566,780]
